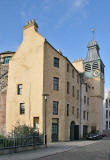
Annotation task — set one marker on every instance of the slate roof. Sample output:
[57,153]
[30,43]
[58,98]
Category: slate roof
[93,51]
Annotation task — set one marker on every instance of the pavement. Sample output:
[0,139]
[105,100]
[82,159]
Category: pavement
[52,149]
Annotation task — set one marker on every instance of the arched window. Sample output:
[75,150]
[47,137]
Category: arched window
[87,67]
[95,66]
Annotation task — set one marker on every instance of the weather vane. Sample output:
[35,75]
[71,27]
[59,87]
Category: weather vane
[93,31]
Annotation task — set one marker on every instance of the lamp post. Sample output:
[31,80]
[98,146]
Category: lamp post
[45,101]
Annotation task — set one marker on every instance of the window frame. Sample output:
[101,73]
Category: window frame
[56,62]
[107,113]
[19,89]
[55,83]
[55,107]
[22,108]
[67,67]
[68,87]
[6,59]
[73,91]
[84,115]
[67,113]
[106,103]
[77,113]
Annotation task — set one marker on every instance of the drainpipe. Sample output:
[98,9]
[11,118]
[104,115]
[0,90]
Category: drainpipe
[80,135]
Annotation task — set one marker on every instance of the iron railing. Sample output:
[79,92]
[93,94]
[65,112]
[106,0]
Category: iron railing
[6,143]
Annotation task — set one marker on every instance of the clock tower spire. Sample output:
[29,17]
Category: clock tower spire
[93,65]
[94,77]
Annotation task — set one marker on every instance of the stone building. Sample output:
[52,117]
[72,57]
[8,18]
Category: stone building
[4,62]
[73,107]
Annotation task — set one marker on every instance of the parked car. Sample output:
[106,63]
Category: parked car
[104,134]
[94,136]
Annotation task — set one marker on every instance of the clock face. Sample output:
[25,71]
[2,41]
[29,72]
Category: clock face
[96,73]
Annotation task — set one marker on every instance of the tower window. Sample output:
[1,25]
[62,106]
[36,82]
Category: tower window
[77,94]
[87,67]
[95,66]
[84,99]
[77,113]
[73,73]
[77,78]
[86,87]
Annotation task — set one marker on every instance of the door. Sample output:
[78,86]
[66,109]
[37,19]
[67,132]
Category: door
[55,131]
[72,131]
[76,132]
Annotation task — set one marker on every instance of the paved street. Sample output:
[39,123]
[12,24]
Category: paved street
[77,150]
[97,151]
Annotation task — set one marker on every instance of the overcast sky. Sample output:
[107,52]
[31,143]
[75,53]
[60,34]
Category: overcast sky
[66,24]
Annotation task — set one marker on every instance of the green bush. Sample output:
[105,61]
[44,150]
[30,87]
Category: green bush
[24,130]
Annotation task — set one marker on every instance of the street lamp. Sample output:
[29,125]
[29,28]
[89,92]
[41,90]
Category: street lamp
[45,101]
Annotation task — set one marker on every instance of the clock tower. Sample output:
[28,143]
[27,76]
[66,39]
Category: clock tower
[94,77]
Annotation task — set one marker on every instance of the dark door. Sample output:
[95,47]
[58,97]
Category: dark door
[76,132]
[72,132]
[54,132]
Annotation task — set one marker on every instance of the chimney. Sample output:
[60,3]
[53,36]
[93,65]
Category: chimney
[59,51]
[31,24]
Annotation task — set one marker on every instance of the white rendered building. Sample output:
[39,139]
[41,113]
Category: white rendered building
[106,110]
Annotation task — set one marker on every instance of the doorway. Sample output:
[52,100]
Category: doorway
[55,129]
[74,131]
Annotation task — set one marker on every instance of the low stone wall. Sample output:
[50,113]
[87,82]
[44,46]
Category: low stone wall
[20,149]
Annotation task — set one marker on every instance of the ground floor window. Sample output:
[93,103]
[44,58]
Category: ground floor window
[36,123]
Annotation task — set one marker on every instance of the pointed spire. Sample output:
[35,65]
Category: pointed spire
[93,49]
